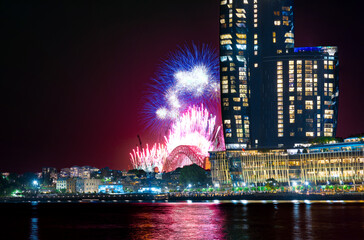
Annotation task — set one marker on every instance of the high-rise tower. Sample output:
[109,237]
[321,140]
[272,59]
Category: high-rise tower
[253,34]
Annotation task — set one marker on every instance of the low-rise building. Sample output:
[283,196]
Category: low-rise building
[61,184]
[88,185]
[111,189]
[92,185]
[71,185]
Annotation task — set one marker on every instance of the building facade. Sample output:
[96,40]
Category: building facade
[300,96]
[61,184]
[321,165]
[87,185]
[254,34]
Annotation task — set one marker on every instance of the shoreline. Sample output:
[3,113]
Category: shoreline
[183,198]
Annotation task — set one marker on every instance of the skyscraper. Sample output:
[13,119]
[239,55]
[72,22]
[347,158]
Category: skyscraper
[300,99]
[253,35]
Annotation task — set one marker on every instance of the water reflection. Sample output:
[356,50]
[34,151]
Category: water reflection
[296,222]
[34,222]
[223,220]
[33,229]
[308,221]
[180,221]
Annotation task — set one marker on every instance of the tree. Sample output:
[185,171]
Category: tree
[193,174]
[271,184]
[137,172]
[324,140]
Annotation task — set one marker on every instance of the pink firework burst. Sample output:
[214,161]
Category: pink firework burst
[196,127]
[148,159]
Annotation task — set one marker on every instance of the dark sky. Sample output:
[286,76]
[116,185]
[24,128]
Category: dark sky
[73,75]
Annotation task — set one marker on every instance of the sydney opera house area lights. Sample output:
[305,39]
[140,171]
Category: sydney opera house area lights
[183,107]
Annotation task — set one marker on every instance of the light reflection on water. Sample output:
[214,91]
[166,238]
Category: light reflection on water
[33,229]
[179,221]
[187,220]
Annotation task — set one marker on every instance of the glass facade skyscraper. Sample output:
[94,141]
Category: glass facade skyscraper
[256,98]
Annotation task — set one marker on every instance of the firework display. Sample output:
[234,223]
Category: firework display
[182,105]
[190,76]
[196,127]
[149,158]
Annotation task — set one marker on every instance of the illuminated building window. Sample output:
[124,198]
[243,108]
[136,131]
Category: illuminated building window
[226,36]
[309,105]
[224,42]
[256,65]
[241,41]
[277,22]
[227,121]
[239,35]
[309,134]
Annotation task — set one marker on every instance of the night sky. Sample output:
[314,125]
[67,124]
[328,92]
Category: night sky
[73,76]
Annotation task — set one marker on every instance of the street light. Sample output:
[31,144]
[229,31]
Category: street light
[35,183]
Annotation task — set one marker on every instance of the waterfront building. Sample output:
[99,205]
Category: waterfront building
[91,185]
[111,189]
[87,185]
[265,79]
[71,185]
[152,190]
[341,163]
[61,184]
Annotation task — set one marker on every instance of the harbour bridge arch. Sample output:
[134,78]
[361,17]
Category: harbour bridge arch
[184,155]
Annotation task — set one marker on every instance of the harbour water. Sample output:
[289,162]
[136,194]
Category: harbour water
[183,220]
